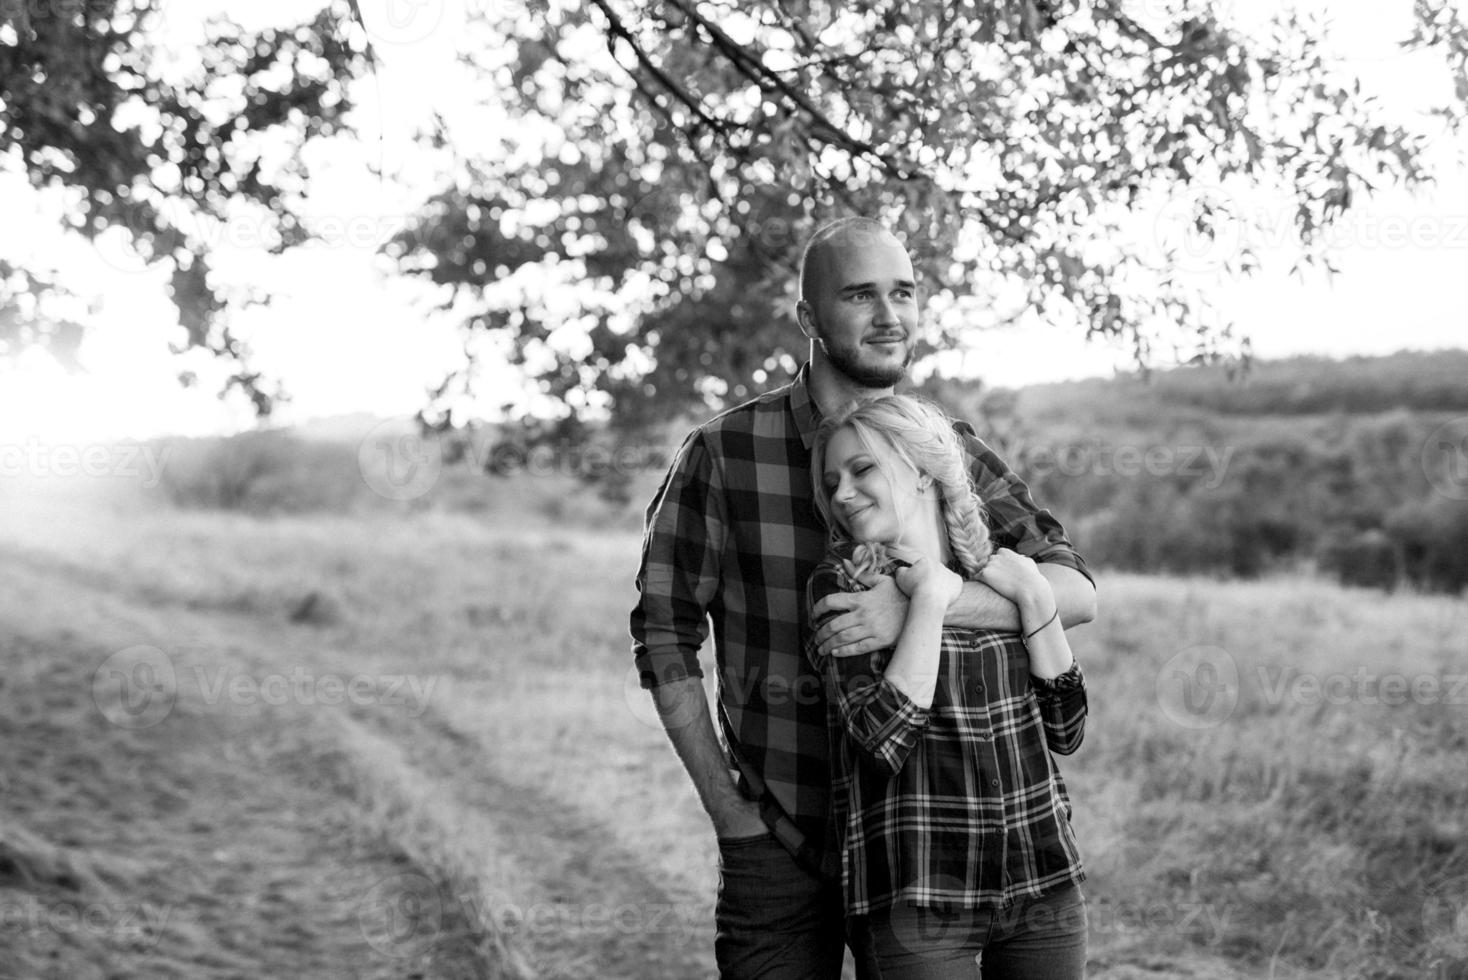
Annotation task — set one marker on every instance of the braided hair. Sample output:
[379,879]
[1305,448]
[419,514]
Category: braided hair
[921,435]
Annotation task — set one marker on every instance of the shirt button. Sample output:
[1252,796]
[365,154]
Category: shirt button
[978,689]
[994,783]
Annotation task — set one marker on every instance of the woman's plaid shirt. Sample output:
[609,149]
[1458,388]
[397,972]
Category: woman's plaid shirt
[959,804]
[732,536]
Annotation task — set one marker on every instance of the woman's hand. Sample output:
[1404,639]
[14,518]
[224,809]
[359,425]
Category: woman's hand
[1018,579]
[926,578]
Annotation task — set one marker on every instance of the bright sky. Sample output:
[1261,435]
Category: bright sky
[345,336]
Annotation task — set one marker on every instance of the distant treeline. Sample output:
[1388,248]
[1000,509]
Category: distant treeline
[1357,467]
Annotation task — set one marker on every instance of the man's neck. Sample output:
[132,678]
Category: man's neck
[831,390]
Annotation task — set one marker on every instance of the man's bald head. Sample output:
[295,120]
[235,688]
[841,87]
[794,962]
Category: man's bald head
[831,238]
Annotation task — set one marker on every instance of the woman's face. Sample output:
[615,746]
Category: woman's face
[866,503]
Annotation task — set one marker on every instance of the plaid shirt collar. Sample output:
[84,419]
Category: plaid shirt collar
[803,407]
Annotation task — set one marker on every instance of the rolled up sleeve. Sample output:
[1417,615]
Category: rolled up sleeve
[879,719]
[1063,714]
[682,544]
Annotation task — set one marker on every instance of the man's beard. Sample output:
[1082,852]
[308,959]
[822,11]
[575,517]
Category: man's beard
[847,360]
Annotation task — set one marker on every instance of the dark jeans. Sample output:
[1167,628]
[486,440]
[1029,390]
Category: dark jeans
[775,920]
[1041,938]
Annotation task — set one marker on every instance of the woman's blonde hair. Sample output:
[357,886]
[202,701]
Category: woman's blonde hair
[920,434]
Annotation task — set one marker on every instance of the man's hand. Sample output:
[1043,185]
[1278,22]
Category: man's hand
[683,708]
[739,820]
[868,621]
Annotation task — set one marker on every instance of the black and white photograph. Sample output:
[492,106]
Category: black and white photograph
[740,489]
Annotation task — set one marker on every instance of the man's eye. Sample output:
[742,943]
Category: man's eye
[862,296]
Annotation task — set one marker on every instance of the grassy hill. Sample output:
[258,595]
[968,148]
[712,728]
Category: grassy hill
[1358,467]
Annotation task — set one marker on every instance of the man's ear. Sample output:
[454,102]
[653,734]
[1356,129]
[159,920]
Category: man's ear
[805,315]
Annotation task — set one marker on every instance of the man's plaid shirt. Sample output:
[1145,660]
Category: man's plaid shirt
[731,537]
[958,805]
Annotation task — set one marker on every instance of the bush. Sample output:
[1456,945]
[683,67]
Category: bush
[1369,559]
[1433,537]
[261,472]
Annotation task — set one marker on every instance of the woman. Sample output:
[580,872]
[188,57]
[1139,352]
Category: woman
[958,859]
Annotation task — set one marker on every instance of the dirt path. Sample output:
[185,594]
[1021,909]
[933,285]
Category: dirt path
[184,847]
[570,899]
[181,849]
[214,839]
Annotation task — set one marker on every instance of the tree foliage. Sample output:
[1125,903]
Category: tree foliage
[161,152]
[631,240]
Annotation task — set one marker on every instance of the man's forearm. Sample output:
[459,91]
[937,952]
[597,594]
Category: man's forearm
[683,708]
[1075,596]
[980,607]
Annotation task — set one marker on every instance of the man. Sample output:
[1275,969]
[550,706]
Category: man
[731,537]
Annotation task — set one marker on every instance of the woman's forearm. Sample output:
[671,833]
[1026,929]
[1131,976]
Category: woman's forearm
[913,669]
[1050,654]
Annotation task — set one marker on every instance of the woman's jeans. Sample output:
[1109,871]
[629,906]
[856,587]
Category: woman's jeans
[1040,938]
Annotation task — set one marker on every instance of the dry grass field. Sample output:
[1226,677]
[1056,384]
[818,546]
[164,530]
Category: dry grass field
[408,743]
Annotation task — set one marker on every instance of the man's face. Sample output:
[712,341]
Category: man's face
[864,311]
